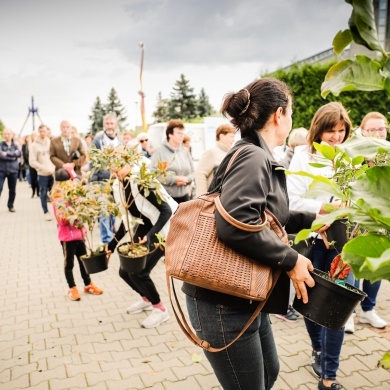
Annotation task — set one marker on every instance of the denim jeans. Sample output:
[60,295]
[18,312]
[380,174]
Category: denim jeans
[12,179]
[45,182]
[251,363]
[326,340]
[371,289]
[106,225]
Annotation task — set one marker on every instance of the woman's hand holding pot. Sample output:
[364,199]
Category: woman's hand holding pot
[301,277]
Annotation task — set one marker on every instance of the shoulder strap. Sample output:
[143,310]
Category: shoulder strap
[190,333]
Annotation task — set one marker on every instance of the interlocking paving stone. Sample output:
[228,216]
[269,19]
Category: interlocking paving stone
[48,342]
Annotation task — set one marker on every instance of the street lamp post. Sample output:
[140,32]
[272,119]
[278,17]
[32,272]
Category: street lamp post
[141,92]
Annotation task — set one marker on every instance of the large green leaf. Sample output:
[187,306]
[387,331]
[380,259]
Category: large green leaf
[362,24]
[371,192]
[369,256]
[341,41]
[361,74]
[368,147]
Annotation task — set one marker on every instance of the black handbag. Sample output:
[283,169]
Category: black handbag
[304,247]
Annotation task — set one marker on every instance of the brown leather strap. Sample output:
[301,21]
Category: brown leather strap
[189,332]
[236,223]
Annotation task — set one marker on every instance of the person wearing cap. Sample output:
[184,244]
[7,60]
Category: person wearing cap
[147,149]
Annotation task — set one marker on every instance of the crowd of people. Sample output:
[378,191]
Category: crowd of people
[255,182]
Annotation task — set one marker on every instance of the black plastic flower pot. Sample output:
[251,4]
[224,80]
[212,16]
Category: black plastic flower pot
[131,264]
[338,232]
[95,263]
[330,304]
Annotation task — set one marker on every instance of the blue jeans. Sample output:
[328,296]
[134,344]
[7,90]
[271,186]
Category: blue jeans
[326,340]
[106,225]
[371,289]
[251,363]
[45,182]
[12,179]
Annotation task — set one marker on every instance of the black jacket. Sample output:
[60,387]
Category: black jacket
[252,184]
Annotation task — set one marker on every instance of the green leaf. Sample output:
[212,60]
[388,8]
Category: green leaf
[385,361]
[369,256]
[341,41]
[361,74]
[362,25]
[357,160]
[368,147]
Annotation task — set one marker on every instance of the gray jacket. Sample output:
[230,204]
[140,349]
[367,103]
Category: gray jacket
[179,164]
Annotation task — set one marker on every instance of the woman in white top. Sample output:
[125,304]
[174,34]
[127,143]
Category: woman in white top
[332,125]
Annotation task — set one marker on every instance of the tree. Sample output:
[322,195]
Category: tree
[161,112]
[183,103]
[96,117]
[114,105]
[204,108]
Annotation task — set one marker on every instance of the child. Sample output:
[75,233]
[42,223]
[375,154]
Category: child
[72,242]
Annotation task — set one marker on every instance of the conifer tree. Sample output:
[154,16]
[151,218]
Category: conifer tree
[96,117]
[204,108]
[114,105]
[183,103]
[161,112]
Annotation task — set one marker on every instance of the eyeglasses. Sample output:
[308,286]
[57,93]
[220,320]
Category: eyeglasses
[378,130]
[143,140]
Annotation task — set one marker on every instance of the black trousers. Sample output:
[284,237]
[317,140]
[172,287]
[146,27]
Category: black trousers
[71,249]
[141,282]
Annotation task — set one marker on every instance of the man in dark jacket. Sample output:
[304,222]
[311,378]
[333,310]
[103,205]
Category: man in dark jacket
[10,153]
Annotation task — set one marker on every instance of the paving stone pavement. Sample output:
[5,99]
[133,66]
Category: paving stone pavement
[48,342]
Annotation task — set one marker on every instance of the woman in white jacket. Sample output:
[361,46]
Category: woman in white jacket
[332,125]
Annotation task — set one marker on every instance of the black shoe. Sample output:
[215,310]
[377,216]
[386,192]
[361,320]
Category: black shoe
[11,210]
[316,363]
[334,386]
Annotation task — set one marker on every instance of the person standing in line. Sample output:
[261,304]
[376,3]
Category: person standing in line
[330,124]
[67,152]
[147,150]
[179,162]
[39,159]
[211,158]
[33,171]
[72,238]
[155,216]
[108,138]
[10,153]
[374,124]
[262,112]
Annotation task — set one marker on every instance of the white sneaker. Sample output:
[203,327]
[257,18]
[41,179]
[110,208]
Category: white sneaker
[370,317]
[139,306]
[350,325]
[48,216]
[156,318]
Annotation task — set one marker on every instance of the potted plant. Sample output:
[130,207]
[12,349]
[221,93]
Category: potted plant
[361,182]
[81,204]
[129,170]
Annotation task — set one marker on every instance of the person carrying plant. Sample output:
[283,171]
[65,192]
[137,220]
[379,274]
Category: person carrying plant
[143,204]
[71,238]
[330,124]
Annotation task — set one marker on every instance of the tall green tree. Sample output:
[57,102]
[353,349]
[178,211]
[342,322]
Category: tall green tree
[96,117]
[204,107]
[2,126]
[161,112]
[114,105]
[183,104]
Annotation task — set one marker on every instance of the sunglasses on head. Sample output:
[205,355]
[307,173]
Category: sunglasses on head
[143,140]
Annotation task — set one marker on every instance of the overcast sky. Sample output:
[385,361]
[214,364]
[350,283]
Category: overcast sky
[66,53]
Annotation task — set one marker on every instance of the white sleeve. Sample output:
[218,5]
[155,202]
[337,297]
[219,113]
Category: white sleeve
[299,185]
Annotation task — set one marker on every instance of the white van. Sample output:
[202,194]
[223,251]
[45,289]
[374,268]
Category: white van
[202,134]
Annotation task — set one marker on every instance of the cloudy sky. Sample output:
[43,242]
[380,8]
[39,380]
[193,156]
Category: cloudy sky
[66,53]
